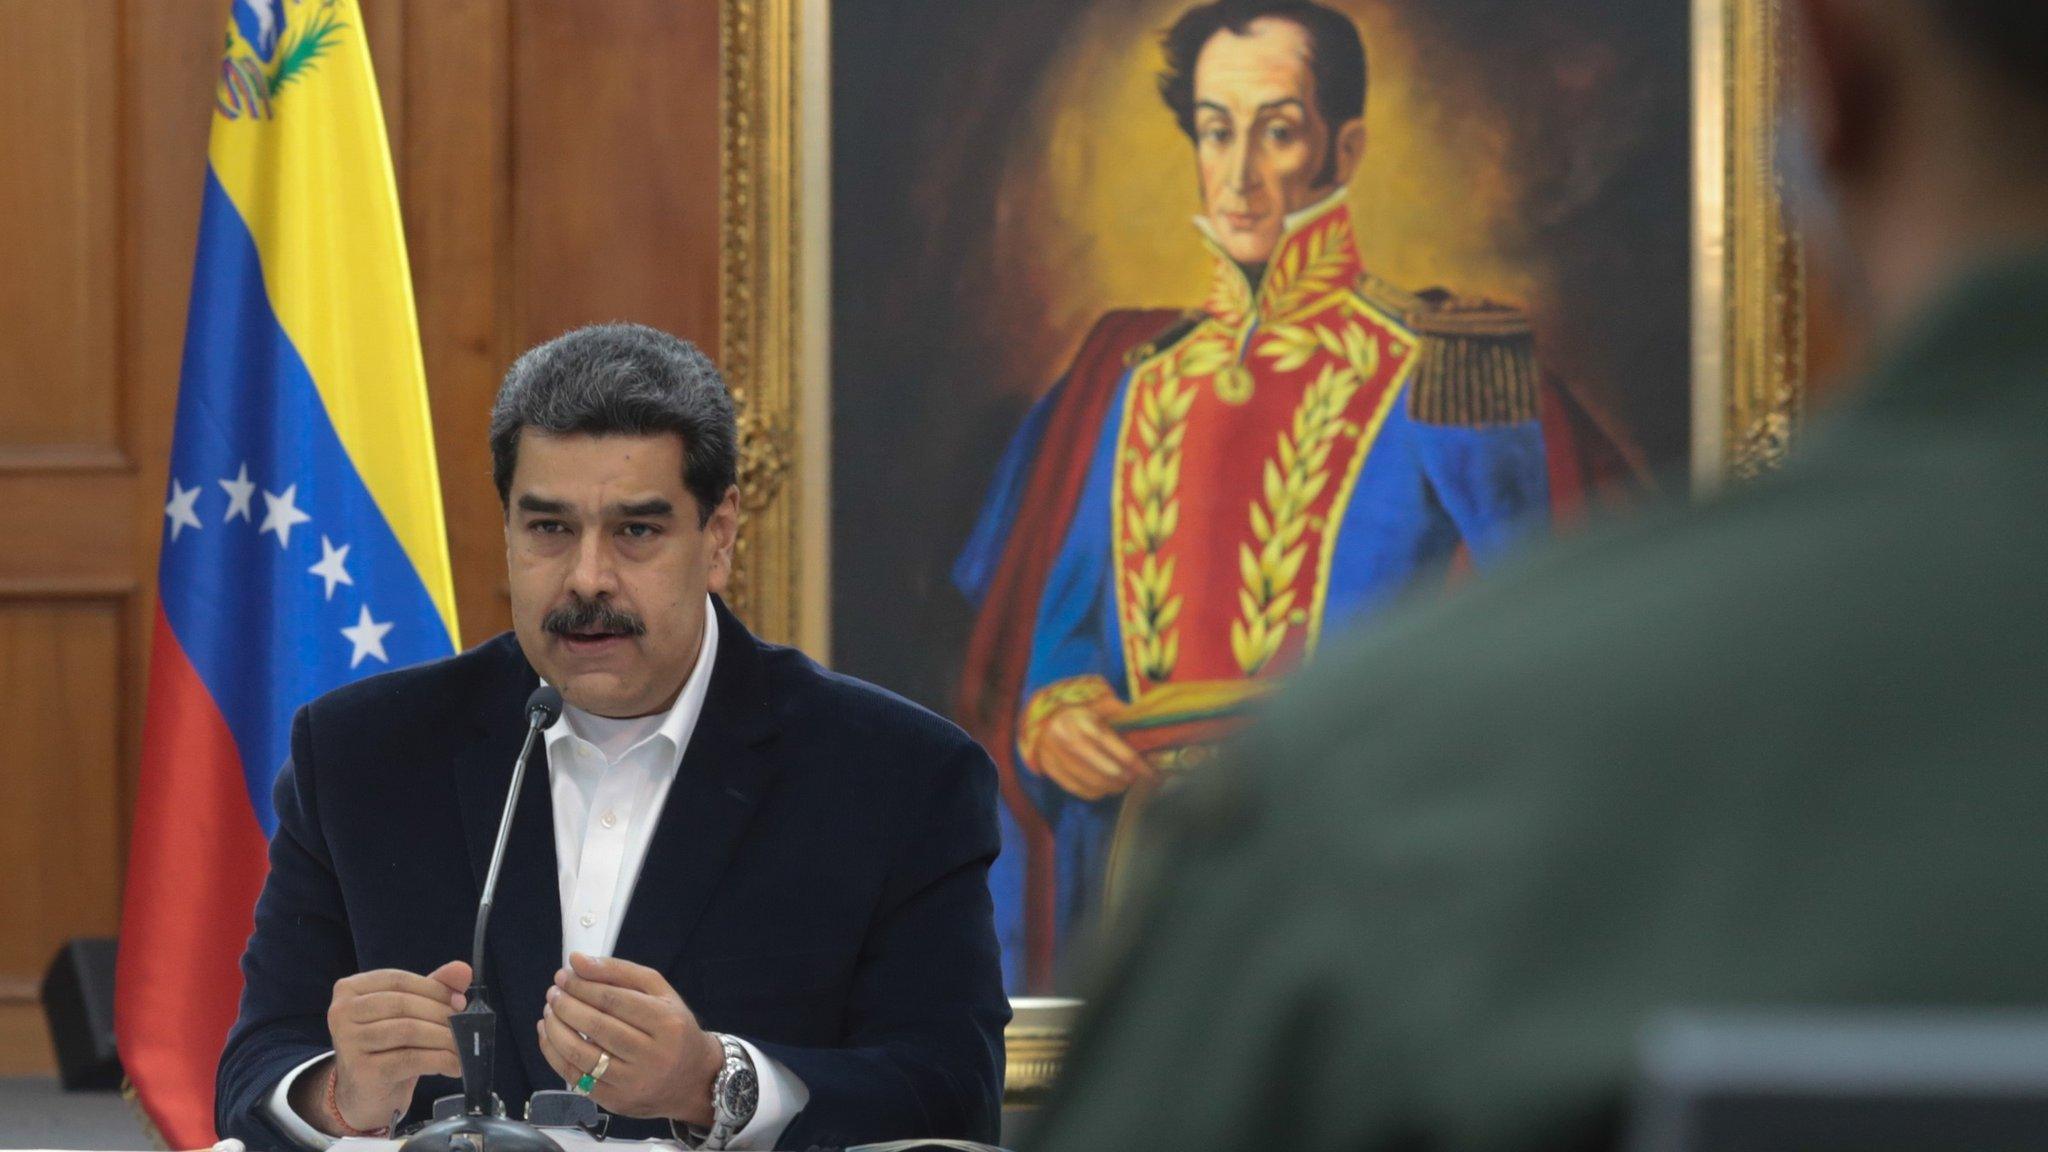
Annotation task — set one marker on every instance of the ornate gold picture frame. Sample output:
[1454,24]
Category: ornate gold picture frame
[1747,312]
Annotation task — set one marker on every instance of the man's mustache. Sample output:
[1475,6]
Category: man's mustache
[586,616]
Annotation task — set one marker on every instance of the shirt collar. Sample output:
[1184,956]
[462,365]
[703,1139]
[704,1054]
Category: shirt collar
[680,720]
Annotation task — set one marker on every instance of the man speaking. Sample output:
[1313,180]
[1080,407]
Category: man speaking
[745,904]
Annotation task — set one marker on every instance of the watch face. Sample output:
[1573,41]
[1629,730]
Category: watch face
[741,1095]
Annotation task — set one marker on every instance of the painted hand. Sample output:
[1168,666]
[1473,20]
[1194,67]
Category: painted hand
[1078,750]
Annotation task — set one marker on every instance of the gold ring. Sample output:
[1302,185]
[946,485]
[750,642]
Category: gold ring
[589,1079]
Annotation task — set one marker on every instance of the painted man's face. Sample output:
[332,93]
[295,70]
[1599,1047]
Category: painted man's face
[1259,141]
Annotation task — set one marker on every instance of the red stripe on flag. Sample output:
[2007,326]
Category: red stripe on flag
[196,861]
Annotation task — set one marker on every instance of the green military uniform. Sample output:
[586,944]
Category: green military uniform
[1786,748]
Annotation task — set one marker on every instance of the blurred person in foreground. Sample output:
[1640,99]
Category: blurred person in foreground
[1781,749]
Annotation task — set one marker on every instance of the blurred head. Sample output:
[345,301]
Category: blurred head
[1272,94]
[1919,138]
[615,453]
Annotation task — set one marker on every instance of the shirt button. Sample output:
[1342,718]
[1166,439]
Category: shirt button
[608,819]
[587,920]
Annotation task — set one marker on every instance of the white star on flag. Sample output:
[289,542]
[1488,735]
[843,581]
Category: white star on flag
[280,513]
[180,508]
[330,566]
[368,637]
[239,490]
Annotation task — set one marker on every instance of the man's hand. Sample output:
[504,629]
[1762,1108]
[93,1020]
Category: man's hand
[1080,752]
[389,1029]
[663,1064]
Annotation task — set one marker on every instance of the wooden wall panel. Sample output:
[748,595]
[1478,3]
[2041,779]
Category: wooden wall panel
[455,176]
[60,665]
[57,226]
[615,165]
[557,164]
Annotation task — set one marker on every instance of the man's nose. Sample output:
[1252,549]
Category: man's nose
[1241,175]
[595,572]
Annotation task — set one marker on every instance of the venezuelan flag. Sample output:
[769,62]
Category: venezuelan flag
[303,545]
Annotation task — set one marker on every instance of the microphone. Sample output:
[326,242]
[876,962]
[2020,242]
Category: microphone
[475,1121]
[542,708]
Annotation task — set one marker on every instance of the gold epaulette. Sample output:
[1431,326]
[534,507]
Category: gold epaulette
[1188,322]
[1476,364]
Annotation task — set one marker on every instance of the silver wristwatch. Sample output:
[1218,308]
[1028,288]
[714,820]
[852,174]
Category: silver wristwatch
[734,1094]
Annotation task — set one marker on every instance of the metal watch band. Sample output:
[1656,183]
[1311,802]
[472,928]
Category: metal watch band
[735,1094]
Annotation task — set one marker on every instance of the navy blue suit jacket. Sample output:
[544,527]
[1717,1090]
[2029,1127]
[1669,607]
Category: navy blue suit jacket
[817,884]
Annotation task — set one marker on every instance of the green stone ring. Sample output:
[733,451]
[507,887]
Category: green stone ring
[589,1079]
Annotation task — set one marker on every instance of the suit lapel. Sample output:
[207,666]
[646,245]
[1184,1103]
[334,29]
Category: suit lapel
[724,773]
[523,943]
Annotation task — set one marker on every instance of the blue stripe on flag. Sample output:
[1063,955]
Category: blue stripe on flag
[257,623]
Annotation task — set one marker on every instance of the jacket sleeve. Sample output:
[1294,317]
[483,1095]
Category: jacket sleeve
[301,946]
[1493,482]
[923,1048]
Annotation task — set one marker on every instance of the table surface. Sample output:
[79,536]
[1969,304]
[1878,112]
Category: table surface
[36,1113]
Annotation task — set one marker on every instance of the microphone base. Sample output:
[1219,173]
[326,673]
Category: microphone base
[479,1134]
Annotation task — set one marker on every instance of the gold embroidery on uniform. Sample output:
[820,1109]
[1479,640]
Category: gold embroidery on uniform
[1293,479]
[1315,267]
[1151,510]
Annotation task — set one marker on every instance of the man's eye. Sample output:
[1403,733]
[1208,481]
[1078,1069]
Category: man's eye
[1281,134]
[1217,136]
[640,531]
[546,527]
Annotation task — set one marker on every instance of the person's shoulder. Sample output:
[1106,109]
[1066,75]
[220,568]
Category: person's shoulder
[426,692]
[834,708]
[1474,359]
[1668,633]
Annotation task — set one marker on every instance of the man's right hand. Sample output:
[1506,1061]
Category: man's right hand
[1078,750]
[389,1029]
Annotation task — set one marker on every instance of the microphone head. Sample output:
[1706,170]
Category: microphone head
[544,706]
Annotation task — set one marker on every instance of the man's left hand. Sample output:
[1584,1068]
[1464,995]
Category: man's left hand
[663,1064]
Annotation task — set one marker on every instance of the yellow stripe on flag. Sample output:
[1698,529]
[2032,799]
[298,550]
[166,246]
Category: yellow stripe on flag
[312,178]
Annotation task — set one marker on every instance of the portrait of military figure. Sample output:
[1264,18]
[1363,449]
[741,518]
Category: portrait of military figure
[1207,485]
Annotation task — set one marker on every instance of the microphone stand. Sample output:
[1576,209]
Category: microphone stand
[475,1121]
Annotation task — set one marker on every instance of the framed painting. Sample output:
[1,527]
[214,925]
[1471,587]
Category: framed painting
[1100,358]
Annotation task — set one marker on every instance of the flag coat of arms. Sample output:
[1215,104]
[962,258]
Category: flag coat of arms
[303,544]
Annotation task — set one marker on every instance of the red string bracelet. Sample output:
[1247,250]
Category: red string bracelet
[334,1113]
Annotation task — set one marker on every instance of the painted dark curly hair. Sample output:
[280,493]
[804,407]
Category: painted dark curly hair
[1336,58]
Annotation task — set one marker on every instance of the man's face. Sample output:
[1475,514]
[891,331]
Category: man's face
[609,568]
[1259,141]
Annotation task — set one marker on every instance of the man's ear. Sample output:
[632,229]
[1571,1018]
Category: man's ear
[1350,146]
[724,527]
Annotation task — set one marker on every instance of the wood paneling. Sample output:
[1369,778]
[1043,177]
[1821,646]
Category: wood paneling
[456,176]
[557,164]
[24,1041]
[57,233]
[615,165]
[60,664]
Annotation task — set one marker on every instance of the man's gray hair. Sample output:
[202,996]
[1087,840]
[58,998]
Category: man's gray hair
[621,380]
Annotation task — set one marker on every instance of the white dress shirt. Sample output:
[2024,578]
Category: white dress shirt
[608,779]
